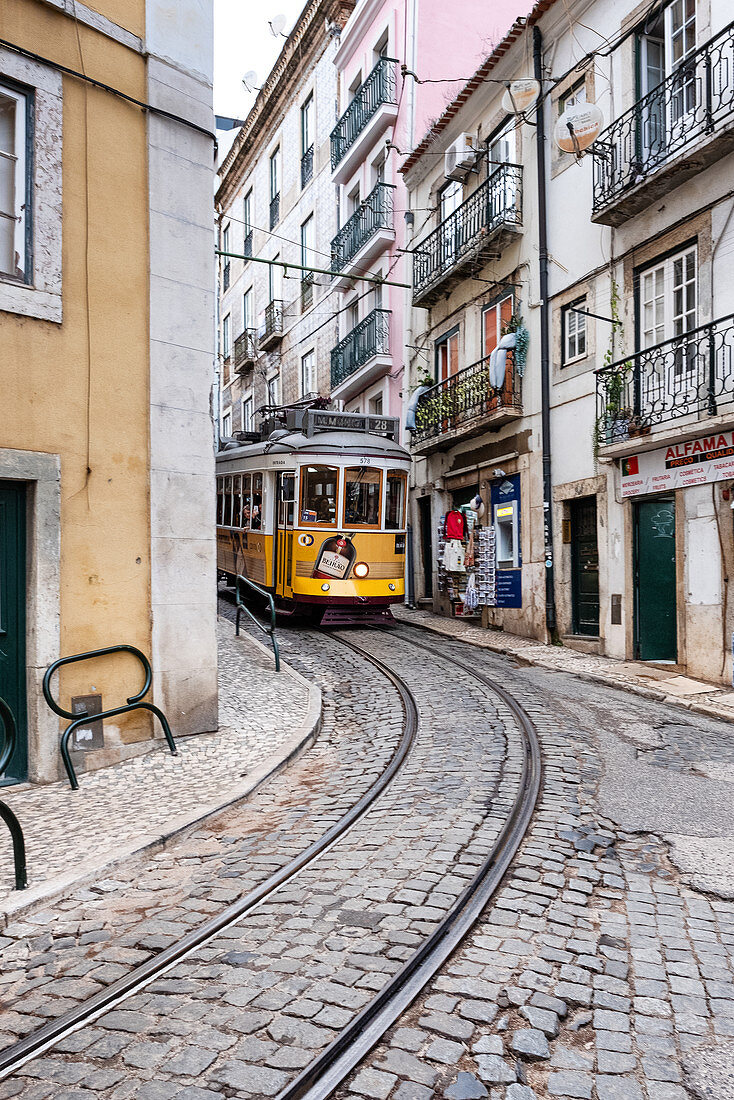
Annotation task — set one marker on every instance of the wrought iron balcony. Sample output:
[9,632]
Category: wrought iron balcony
[274,211]
[466,403]
[376,212]
[225,275]
[646,151]
[691,375]
[474,233]
[272,330]
[371,337]
[245,349]
[379,87]
[307,283]
[307,166]
[247,246]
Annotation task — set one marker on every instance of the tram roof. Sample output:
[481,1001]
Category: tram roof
[333,444]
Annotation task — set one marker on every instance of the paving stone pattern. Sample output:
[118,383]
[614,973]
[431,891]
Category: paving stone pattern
[64,827]
[55,956]
[594,975]
[245,1013]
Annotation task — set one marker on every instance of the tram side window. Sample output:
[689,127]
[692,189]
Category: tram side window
[227,517]
[256,517]
[236,499]
[246,506]
[395,500]
[362,497]
[220,501]
[319,494]
[287,499]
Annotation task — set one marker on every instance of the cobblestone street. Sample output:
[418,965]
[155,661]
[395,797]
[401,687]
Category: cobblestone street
[597,972]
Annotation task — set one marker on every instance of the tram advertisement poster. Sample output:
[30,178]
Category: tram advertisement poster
[335,558]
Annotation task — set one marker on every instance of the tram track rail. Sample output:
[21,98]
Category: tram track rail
[330,1069]
[15,1056]
[323,1075]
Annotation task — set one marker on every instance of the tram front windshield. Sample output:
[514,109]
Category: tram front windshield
[319,494]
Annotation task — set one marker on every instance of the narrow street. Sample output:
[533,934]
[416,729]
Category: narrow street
[595,971]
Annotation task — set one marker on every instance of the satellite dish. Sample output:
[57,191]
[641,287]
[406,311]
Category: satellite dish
[520,95]
[250,80]
[578,127]
[276,24]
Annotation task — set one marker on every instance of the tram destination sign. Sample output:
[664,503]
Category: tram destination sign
[325,420]
[693,462]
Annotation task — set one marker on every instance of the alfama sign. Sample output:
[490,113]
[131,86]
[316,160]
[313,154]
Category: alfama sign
[695,462]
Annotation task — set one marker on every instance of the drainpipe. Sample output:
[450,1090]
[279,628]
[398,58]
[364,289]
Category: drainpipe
[550,597]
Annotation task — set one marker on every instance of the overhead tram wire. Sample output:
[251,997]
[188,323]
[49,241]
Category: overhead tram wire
[285,264]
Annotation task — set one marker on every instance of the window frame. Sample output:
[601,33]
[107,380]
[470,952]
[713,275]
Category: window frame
[275,173]
[307,123]
[227,336]
[248,399]
[319,523]
[581,329]
[443,341]
[403,475]
[569,97]
[312,355]
[23,149]
[380,499]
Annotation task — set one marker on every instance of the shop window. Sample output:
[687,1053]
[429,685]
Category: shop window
[362,497]
[319,495]
[574,331]
[395,500]
[505,523]
[256,517]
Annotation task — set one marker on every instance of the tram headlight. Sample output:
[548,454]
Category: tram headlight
[325,587]
[361,569]
[391,586]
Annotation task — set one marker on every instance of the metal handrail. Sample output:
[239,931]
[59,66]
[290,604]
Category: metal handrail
[243,607]
[370,337]
[375,212]
[133,703]
[466,396]
[7,723]
[379,87]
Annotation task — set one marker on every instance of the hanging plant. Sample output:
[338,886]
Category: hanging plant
[522,337]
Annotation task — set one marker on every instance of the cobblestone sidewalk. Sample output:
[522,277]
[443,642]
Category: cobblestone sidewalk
[264,717]
[646,680]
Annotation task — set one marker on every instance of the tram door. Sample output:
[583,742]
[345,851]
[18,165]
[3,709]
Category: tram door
[284,535]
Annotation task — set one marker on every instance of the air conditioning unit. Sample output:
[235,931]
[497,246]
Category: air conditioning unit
[460,157]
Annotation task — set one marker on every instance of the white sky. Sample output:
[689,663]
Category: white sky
[243,41]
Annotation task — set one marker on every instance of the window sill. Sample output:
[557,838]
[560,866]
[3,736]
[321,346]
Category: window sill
[29,301]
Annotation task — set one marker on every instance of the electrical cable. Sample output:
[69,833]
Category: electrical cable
[109,88]
[85,90]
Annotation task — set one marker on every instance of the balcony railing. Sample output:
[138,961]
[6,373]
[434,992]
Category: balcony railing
[692,102]
[369,338]
[376,212]
[274,210]
[468,399]
[691,375]
[307,166]
[245,348]
[247,246]
[307,284]
[379,87]
[272,330]
[226,275]
[472,233]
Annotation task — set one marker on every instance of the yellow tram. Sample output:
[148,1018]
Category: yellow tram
[314,511]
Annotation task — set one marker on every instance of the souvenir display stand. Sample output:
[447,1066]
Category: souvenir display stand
[466,562]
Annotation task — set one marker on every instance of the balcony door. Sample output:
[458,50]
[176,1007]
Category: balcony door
[502,151]
[666,80]
[447,356]
[494,319]
[668,309]
[451,198]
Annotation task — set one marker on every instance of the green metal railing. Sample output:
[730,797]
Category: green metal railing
[376,212]
[7,723]
[369,338]
[378,88]
[260,626]
[133,703]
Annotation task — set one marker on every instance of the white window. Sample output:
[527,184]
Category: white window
[308,373]
[248,414]
[273,386]
[225,239]
[275,280]
[227,424]
[574,96]
[247,310]
[275,175]
[14,138]
[307,125]
[226,337]
[574,331]
[247,212]
[668,298]
[375,405]
[307,244]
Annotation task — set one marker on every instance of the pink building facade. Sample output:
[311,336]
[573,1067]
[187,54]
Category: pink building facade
[388,48]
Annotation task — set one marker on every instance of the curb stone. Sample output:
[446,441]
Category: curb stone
[56,889]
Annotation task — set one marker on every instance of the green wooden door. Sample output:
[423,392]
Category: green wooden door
[655,589]
[12,619]
[584,567]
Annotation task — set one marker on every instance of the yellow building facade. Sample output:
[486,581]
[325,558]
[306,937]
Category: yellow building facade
[106,346]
